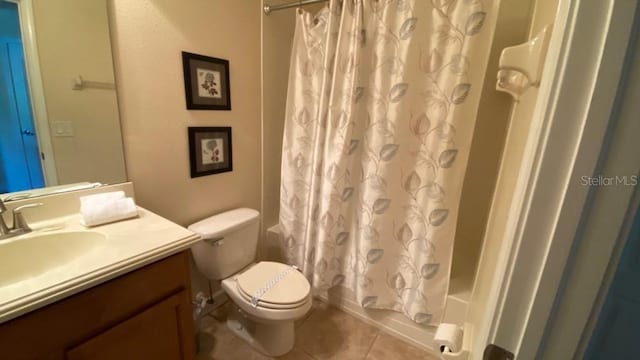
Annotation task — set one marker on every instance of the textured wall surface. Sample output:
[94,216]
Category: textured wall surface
[148,38]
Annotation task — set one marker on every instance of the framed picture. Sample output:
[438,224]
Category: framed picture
[206,82]
[210,150]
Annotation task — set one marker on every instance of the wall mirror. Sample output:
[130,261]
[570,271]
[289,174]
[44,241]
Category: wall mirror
[59,121]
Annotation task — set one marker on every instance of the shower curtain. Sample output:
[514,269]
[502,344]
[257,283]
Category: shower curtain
[379,118]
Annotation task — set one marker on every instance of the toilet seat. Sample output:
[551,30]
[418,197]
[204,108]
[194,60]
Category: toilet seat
[285,287]
[262,313]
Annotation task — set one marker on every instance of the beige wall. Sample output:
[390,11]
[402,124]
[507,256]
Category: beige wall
[73,39]
[148,38]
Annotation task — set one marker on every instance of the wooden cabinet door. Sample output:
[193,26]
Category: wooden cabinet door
[157,333]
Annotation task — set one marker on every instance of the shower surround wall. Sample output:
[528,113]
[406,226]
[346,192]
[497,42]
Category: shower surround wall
[541,13]
[277,37]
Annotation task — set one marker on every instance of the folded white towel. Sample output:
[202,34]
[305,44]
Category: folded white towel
[97,199]
[109,210]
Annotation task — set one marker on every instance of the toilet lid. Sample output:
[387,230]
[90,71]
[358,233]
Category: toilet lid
[292,288]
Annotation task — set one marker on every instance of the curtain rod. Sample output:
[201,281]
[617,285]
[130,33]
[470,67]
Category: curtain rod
[269,8]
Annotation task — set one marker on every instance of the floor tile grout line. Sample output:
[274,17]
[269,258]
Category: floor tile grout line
[371,346]
[308,354]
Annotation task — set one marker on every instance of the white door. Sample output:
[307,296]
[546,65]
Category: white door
[19,154]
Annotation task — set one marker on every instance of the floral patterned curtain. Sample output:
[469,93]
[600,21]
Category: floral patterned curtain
[380,114]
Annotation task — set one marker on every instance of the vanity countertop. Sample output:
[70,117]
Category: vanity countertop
[128,245]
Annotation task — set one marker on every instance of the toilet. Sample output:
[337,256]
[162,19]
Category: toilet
[267,296]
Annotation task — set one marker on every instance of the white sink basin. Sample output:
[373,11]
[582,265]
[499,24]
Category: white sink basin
[33,255]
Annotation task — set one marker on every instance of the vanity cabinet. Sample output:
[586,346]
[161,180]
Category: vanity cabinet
[145,314]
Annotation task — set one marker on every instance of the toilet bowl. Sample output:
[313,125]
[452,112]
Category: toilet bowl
[267,296]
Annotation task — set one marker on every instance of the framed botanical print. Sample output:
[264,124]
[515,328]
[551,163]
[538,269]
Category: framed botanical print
[206,82]
[210,150]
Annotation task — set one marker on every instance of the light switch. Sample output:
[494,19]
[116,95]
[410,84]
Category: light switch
[62,128]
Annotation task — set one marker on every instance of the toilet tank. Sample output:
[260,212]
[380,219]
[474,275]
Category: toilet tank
[229,242]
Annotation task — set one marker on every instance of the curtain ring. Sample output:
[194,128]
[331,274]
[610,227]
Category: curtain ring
[300,11]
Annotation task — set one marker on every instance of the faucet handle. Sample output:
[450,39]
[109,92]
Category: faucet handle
[27,206]
[19,223]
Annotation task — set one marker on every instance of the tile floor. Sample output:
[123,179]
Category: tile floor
[326,333]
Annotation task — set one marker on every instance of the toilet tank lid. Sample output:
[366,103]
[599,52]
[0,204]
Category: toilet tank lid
[223,223]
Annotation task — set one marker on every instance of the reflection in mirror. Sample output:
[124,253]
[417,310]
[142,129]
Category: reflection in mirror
[59,120]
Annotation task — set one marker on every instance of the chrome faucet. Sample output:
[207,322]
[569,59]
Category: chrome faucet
[20,225]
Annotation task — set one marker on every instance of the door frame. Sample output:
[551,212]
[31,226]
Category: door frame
[606,224]
[36,90]
[567,140]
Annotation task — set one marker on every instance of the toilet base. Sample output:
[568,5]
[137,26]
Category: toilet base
[271,339]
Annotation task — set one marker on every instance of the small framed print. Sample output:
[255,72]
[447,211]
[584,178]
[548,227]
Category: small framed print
[206,82]
[210,150]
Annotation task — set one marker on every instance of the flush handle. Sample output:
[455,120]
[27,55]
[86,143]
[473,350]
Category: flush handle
[219,241]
